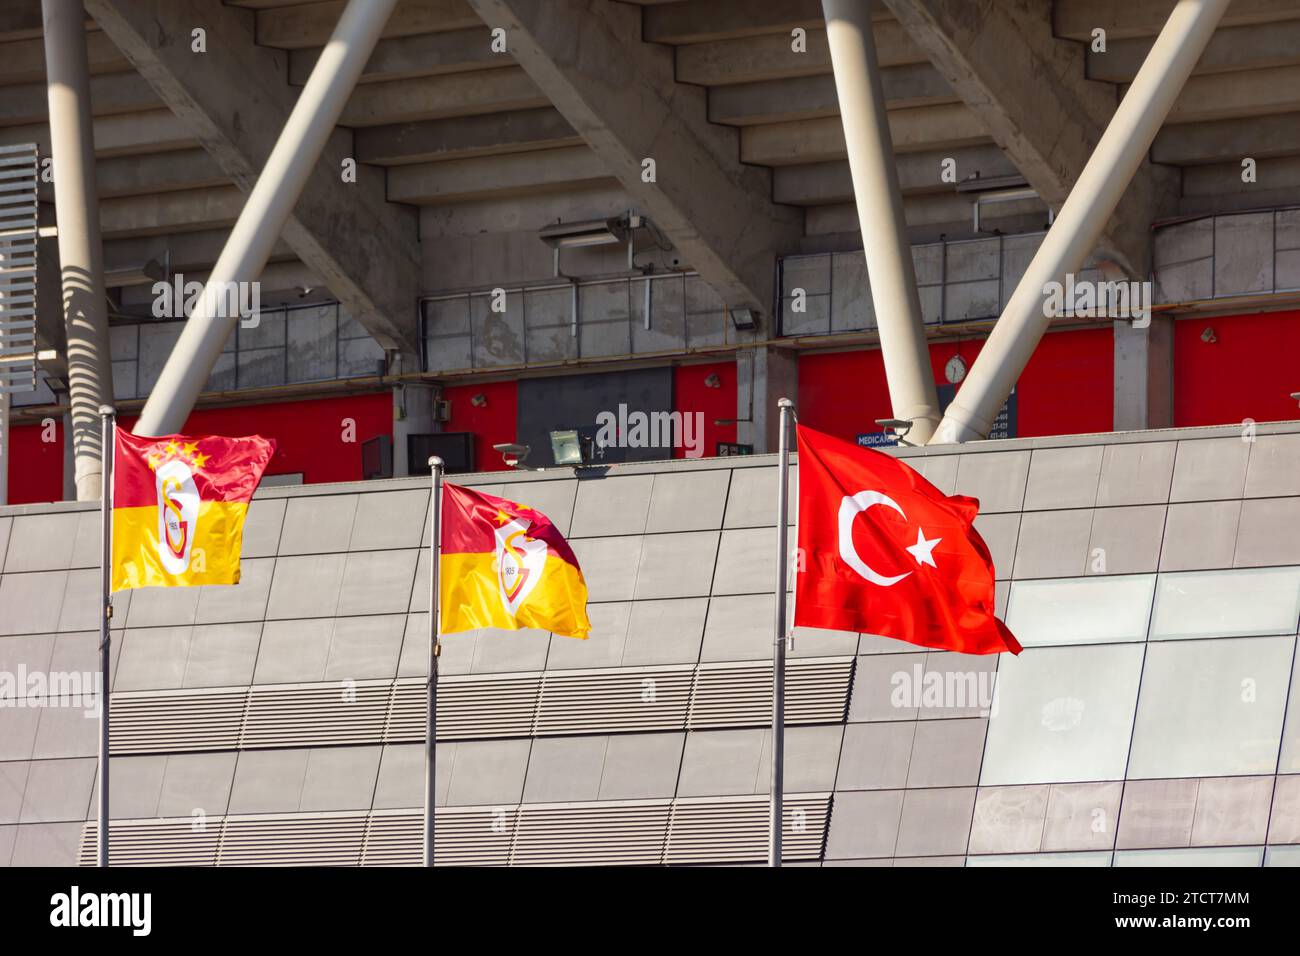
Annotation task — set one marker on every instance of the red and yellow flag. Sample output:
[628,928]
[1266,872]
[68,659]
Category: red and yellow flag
[506,566]
[179,506]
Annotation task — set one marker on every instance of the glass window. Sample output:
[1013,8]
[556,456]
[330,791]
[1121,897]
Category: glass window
[1192,856]
[1250,601]
[1282,856]
[1211,708]
[1089,858]
[1094,610]
[1062,714]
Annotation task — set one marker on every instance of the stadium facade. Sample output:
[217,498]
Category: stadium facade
[534,218]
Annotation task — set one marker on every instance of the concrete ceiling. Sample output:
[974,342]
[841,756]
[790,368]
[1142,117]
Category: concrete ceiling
[473,134]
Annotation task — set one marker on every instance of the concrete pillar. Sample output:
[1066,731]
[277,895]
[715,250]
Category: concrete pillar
[81,254]
[265,213]
[412,415]
[1092,201]
[880,215]
[764,376]
[1144,374]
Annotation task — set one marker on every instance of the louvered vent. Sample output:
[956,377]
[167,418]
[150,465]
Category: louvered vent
[305,715]
[733,830]
[646,832]
[19,172]
[155,842]
[177,721]
[622,833]
[593,701]
[612,700]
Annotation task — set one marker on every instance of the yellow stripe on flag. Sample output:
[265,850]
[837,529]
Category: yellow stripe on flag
[472,597]
[212,558]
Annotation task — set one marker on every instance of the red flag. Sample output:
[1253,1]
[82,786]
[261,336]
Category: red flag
[886,552]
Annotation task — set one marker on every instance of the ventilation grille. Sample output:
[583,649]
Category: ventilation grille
[516,705]
[19,173]
[641,832]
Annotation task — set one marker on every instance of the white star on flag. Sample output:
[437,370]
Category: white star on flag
[922,550]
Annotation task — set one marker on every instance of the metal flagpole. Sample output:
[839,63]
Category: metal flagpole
[786,408]
[106,420]
[435,648]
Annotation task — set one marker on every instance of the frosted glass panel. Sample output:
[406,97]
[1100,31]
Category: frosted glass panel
[1192,856]
[1062,714]
[1251,601]
[1098,610]
[1090,858]
[1211,708]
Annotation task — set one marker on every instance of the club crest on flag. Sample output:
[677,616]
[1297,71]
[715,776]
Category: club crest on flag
[520,562]
[178,514]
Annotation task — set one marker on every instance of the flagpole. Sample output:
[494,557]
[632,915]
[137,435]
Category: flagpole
[786,408]
[107,415]
[435,648]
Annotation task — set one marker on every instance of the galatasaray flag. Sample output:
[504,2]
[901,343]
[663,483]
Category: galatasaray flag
[506,566]
[179,505]
[886,552]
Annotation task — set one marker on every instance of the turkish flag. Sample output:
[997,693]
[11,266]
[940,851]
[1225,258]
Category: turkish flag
[885,552]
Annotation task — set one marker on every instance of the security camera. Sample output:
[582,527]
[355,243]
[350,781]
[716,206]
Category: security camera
[512,454]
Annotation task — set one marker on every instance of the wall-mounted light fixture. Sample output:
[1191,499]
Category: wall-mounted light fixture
[513,454]
[744,319]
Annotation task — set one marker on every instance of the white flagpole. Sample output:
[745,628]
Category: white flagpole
[107,415]
[786,408]
[435,648]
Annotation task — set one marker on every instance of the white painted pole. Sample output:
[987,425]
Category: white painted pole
[107,420]
[880,215]
[81,253]
[1075,232]
[265,213]
[435,649]
[785,408]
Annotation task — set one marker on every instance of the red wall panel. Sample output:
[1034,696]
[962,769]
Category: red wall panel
[310,435]
[692,395]
[495,423]
[1249,371]
[1065,389]
[35,466]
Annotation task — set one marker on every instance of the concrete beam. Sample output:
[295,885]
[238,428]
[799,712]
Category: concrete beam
[809,97]
[188,209]
[362,247]
[717,212]
[186,252]
[1231,49]
[701,21]
[1230,139]
[110,94]
[1224,179]
[949,126]
[463,137]
[1235,95]
[770,57]
[310,25]
[525,214]
[427,54]
[21,20]
[486,177]
[822,184]
[931,214]
[1144,374]
[120,176]
[1124,19]
[23,61]
[129,134]
[438,97]
[1029,91]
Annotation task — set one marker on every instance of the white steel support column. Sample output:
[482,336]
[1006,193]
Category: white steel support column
[1092,201]
[880,215]
[81,253]
[265,213]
